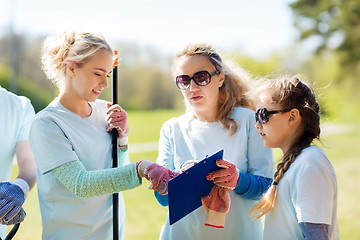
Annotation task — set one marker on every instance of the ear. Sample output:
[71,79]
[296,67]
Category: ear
[294,116]
[221,79]
[70,69]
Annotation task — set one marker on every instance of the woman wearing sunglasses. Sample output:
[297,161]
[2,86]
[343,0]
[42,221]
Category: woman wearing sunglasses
[71,141]
[302,201]
[218,116]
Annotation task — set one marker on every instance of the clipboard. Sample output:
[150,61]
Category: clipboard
[186,190]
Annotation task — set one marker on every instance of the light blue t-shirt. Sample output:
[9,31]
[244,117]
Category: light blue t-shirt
[16,114]
[59,136]
[185,138]
[306,193]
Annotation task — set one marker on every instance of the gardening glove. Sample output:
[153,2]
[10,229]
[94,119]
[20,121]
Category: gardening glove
[19,217]
[117,118]
[159,176]
[227,177]
[216,205]
[188,164]
[12,198]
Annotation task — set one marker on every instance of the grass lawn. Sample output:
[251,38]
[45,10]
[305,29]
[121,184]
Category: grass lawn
[145,217]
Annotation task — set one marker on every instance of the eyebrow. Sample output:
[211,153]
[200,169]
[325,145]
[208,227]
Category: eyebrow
[100,69]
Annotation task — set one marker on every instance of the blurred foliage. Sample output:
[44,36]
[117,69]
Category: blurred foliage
[334,27]
[336,23]
[39,96]
[257,67]
[145,81]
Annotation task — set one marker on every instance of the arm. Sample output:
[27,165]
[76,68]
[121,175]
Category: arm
[13,194]
[26,162]
[252,186]
[85,183]
[162,199]
[314,231]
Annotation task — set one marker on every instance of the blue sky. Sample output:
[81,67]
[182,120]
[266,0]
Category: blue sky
[254,27]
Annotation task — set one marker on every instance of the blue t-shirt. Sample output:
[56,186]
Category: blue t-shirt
[16,115]
[59,136]
[185,138]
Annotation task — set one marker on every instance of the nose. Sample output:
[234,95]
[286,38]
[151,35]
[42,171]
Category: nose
[104,83]
[193,85]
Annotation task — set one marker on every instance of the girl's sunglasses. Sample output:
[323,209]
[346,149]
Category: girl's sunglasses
[262,114]
[201,78]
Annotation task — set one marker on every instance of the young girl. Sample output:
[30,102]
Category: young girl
[219,116]
[72,144]
[302,201]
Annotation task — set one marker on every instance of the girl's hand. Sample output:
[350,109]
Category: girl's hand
[227,177]
[117,119]
[159,176]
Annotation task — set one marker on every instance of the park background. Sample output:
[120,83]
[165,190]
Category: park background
[318,39]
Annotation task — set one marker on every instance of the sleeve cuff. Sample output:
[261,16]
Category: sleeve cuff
[22,184]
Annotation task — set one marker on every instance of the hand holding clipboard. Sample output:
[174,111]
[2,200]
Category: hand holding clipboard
[184,199]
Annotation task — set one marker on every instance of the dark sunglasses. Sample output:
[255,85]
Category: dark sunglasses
[201,78]
[262,114]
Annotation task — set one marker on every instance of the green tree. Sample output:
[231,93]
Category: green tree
[334,25]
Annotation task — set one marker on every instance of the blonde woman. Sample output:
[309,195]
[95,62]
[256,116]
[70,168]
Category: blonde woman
[72,144]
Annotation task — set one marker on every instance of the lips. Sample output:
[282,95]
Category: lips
[96,92]
[196,97]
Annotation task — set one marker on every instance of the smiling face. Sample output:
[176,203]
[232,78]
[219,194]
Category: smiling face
[203,100]
[90,79]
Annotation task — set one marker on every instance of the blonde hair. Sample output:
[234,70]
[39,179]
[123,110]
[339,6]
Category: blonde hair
[233,91]
[290,92]
[69,48]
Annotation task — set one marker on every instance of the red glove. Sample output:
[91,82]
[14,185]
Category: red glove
[227,177]
[117,118]
[159,176]
[216,204]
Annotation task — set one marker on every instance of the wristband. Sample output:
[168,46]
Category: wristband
[22,184]
[122,142]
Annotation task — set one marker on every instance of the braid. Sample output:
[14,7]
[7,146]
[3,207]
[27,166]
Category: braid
[291,94]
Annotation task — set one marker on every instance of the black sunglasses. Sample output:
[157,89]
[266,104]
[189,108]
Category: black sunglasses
[262,114]
[201,78]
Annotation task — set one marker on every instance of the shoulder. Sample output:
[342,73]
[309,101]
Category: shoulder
[313,152]
[15,101]
[244,117]
[50,115]
[243,113]
[314,157]
[176,122]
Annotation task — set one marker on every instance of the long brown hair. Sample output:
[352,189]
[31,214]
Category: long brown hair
[232,93]
[290,92]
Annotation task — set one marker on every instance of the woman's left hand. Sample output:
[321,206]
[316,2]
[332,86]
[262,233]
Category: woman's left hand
[117,118]
[226,177]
